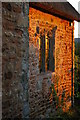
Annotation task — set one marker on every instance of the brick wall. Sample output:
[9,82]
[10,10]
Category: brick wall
[0,60]
[15,42]
[25,91]
[39,83]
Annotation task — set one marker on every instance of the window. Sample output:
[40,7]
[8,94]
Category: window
[70,24]
[47,50]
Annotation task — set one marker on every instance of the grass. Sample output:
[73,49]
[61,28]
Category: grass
[72,114]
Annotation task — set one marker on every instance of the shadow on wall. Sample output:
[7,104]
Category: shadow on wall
[57,100]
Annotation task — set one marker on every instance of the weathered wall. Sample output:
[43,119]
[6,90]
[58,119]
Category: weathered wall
[15,45]
[0,60]
[39,83]
[20,61]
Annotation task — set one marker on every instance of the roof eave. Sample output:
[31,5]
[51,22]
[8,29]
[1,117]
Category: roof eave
[49,9]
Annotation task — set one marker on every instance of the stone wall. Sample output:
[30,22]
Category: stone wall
[39,83]
[15,47]
[0,60]
[26,91]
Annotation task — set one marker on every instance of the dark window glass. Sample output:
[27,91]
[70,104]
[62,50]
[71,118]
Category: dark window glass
[42,53]
[47,51]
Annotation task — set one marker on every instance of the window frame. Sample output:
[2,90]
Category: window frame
[51,37]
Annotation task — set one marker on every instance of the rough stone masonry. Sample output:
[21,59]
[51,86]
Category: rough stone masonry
[25,91]
[15,48]
[39,83]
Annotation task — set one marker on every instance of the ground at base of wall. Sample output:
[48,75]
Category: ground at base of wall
[71,114]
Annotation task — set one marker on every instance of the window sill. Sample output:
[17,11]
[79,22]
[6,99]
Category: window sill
[47,73]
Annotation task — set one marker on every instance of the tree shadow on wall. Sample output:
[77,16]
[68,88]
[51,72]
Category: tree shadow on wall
[71,114]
